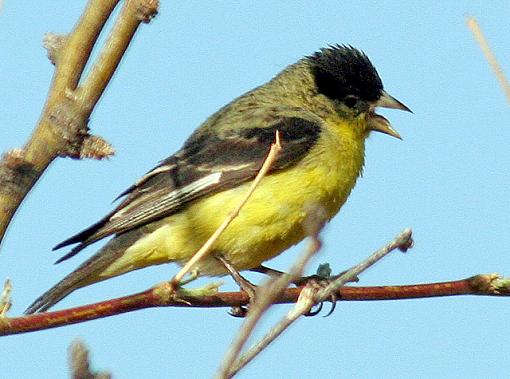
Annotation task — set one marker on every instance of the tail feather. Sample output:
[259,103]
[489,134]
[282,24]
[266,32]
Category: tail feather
[75,250]
[82,236]
[87,273]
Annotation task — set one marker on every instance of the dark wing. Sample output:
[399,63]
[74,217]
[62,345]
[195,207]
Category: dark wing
[207,163]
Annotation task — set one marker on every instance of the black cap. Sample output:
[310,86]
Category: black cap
[342,71]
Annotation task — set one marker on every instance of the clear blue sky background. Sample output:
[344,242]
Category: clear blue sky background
[448,180]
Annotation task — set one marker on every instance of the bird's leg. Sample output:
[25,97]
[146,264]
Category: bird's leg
[242,282]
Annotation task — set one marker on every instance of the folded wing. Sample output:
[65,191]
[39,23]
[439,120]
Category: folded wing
[208,163]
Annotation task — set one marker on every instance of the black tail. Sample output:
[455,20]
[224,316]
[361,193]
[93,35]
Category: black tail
[87,273]
[72,253]
[85,238]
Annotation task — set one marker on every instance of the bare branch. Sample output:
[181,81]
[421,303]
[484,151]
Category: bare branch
[303,305]
[402,242]
[62,129]
[160,296]
[132,14]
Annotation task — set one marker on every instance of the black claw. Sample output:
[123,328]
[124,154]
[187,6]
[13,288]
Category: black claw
[315,312]
[333,306]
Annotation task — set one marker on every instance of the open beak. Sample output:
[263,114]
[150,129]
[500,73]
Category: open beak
[388,101]
[379,123]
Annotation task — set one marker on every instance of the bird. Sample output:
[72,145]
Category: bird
[323,108]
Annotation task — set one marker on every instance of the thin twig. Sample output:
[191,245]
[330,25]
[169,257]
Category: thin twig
[132,14]
[309,297]
[489,55]
[265,297]
[206,247]
[480,285]
[5,298]
[303,305]
[402,242]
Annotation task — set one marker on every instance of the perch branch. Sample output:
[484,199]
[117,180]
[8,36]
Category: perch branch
[159,296]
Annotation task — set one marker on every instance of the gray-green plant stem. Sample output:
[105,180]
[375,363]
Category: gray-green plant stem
[265,297]
[309,297]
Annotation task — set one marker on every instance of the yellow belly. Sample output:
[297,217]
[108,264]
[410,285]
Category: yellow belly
[270,222]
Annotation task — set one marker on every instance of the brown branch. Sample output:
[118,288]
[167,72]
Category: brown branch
[62,129]
[165,296]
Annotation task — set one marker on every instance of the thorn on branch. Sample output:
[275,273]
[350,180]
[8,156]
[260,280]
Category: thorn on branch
[146,10]
[53,44]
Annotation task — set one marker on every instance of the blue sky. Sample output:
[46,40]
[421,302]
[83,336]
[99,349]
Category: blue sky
[448,180]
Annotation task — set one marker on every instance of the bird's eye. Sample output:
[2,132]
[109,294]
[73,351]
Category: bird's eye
[350,101]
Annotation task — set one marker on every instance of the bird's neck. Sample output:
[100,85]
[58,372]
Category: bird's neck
[295,87]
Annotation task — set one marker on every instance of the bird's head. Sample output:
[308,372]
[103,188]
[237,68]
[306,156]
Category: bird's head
[346,76]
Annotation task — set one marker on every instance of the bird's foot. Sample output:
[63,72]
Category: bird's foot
[243,283]
[320,280]
[318,283]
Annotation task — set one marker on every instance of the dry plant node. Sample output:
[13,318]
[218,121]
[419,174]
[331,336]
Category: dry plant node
[15,170]
[146,10]
[96,147]
[53,43]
